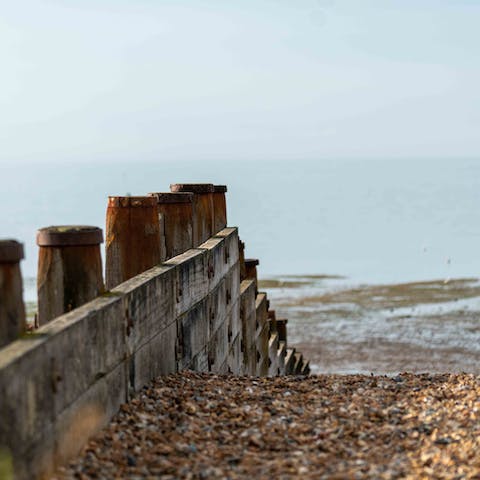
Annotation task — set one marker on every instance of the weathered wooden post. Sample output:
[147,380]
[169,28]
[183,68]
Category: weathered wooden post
[219,208]
[12,309]
[272,321]
[175,213]
[241,260]
[132,238]
[202,209]
[251,270]
[69,269]
[282,329]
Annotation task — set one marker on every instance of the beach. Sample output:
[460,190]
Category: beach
[336,240]
[346,328]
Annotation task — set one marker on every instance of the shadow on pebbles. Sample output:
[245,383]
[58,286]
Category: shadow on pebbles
[200,426]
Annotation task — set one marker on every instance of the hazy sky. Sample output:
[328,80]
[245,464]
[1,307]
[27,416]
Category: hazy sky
[250,79]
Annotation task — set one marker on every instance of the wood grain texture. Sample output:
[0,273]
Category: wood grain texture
[133,238]
[273,368]
[12,310]
[68,277]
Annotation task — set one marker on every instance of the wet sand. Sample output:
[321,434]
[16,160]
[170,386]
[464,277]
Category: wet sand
[431,326]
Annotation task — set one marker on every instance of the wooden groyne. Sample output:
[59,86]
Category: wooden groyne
[179,295]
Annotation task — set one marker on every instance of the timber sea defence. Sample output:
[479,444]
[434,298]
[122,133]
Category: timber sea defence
[177,294]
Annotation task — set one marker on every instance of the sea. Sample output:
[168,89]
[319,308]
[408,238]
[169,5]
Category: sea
[369,221]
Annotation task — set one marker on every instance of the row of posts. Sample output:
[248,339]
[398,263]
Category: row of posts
[141,232]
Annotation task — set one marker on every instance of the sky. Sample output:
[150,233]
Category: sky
[246,80]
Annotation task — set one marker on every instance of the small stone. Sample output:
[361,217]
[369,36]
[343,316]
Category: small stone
[328,426]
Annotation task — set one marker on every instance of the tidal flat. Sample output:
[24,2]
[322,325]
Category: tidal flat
[342,327]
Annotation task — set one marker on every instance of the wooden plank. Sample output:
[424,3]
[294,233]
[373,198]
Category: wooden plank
[217,268]
[232,284]
[217,306]
[200,361]
[249,347]
[290,361]
[261,344]
[218,348]
[235,357]
[262,334]
[230,234]
[273,368]
[222,255]
[89,413]
[191,284]
[193,333]
[305,368]
[281,355]
[254,360]
[149,303]
[154,358]
[234,322]
[297,367]
[44,380]
[247,310]
[261,310]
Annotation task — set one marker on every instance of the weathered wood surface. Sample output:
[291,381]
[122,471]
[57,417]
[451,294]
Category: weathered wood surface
[68,379]
[68,277]
[203,216]
[235,356]
[175,213]
[261,334]
[273,355]
[298,363]
[59,366]
[305,367]
[248,318]
[282,329]
[69,269]
[219,208]
[290,361]
[251,270]
[282,355]
[12,309]
[191,281]
[272,320]
[133,238]
[241,254]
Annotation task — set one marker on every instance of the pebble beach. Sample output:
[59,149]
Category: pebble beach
[357,417]
[202,426]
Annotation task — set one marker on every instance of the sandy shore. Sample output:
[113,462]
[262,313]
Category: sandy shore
[429,326]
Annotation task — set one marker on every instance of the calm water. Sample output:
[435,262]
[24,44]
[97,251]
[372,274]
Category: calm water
[370,220]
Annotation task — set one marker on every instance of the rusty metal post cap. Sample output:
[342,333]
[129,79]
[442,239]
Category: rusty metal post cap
[128,202]
[173,197]
[69,235]
[220,188]
[252,262]
[197,188]
[11,251]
